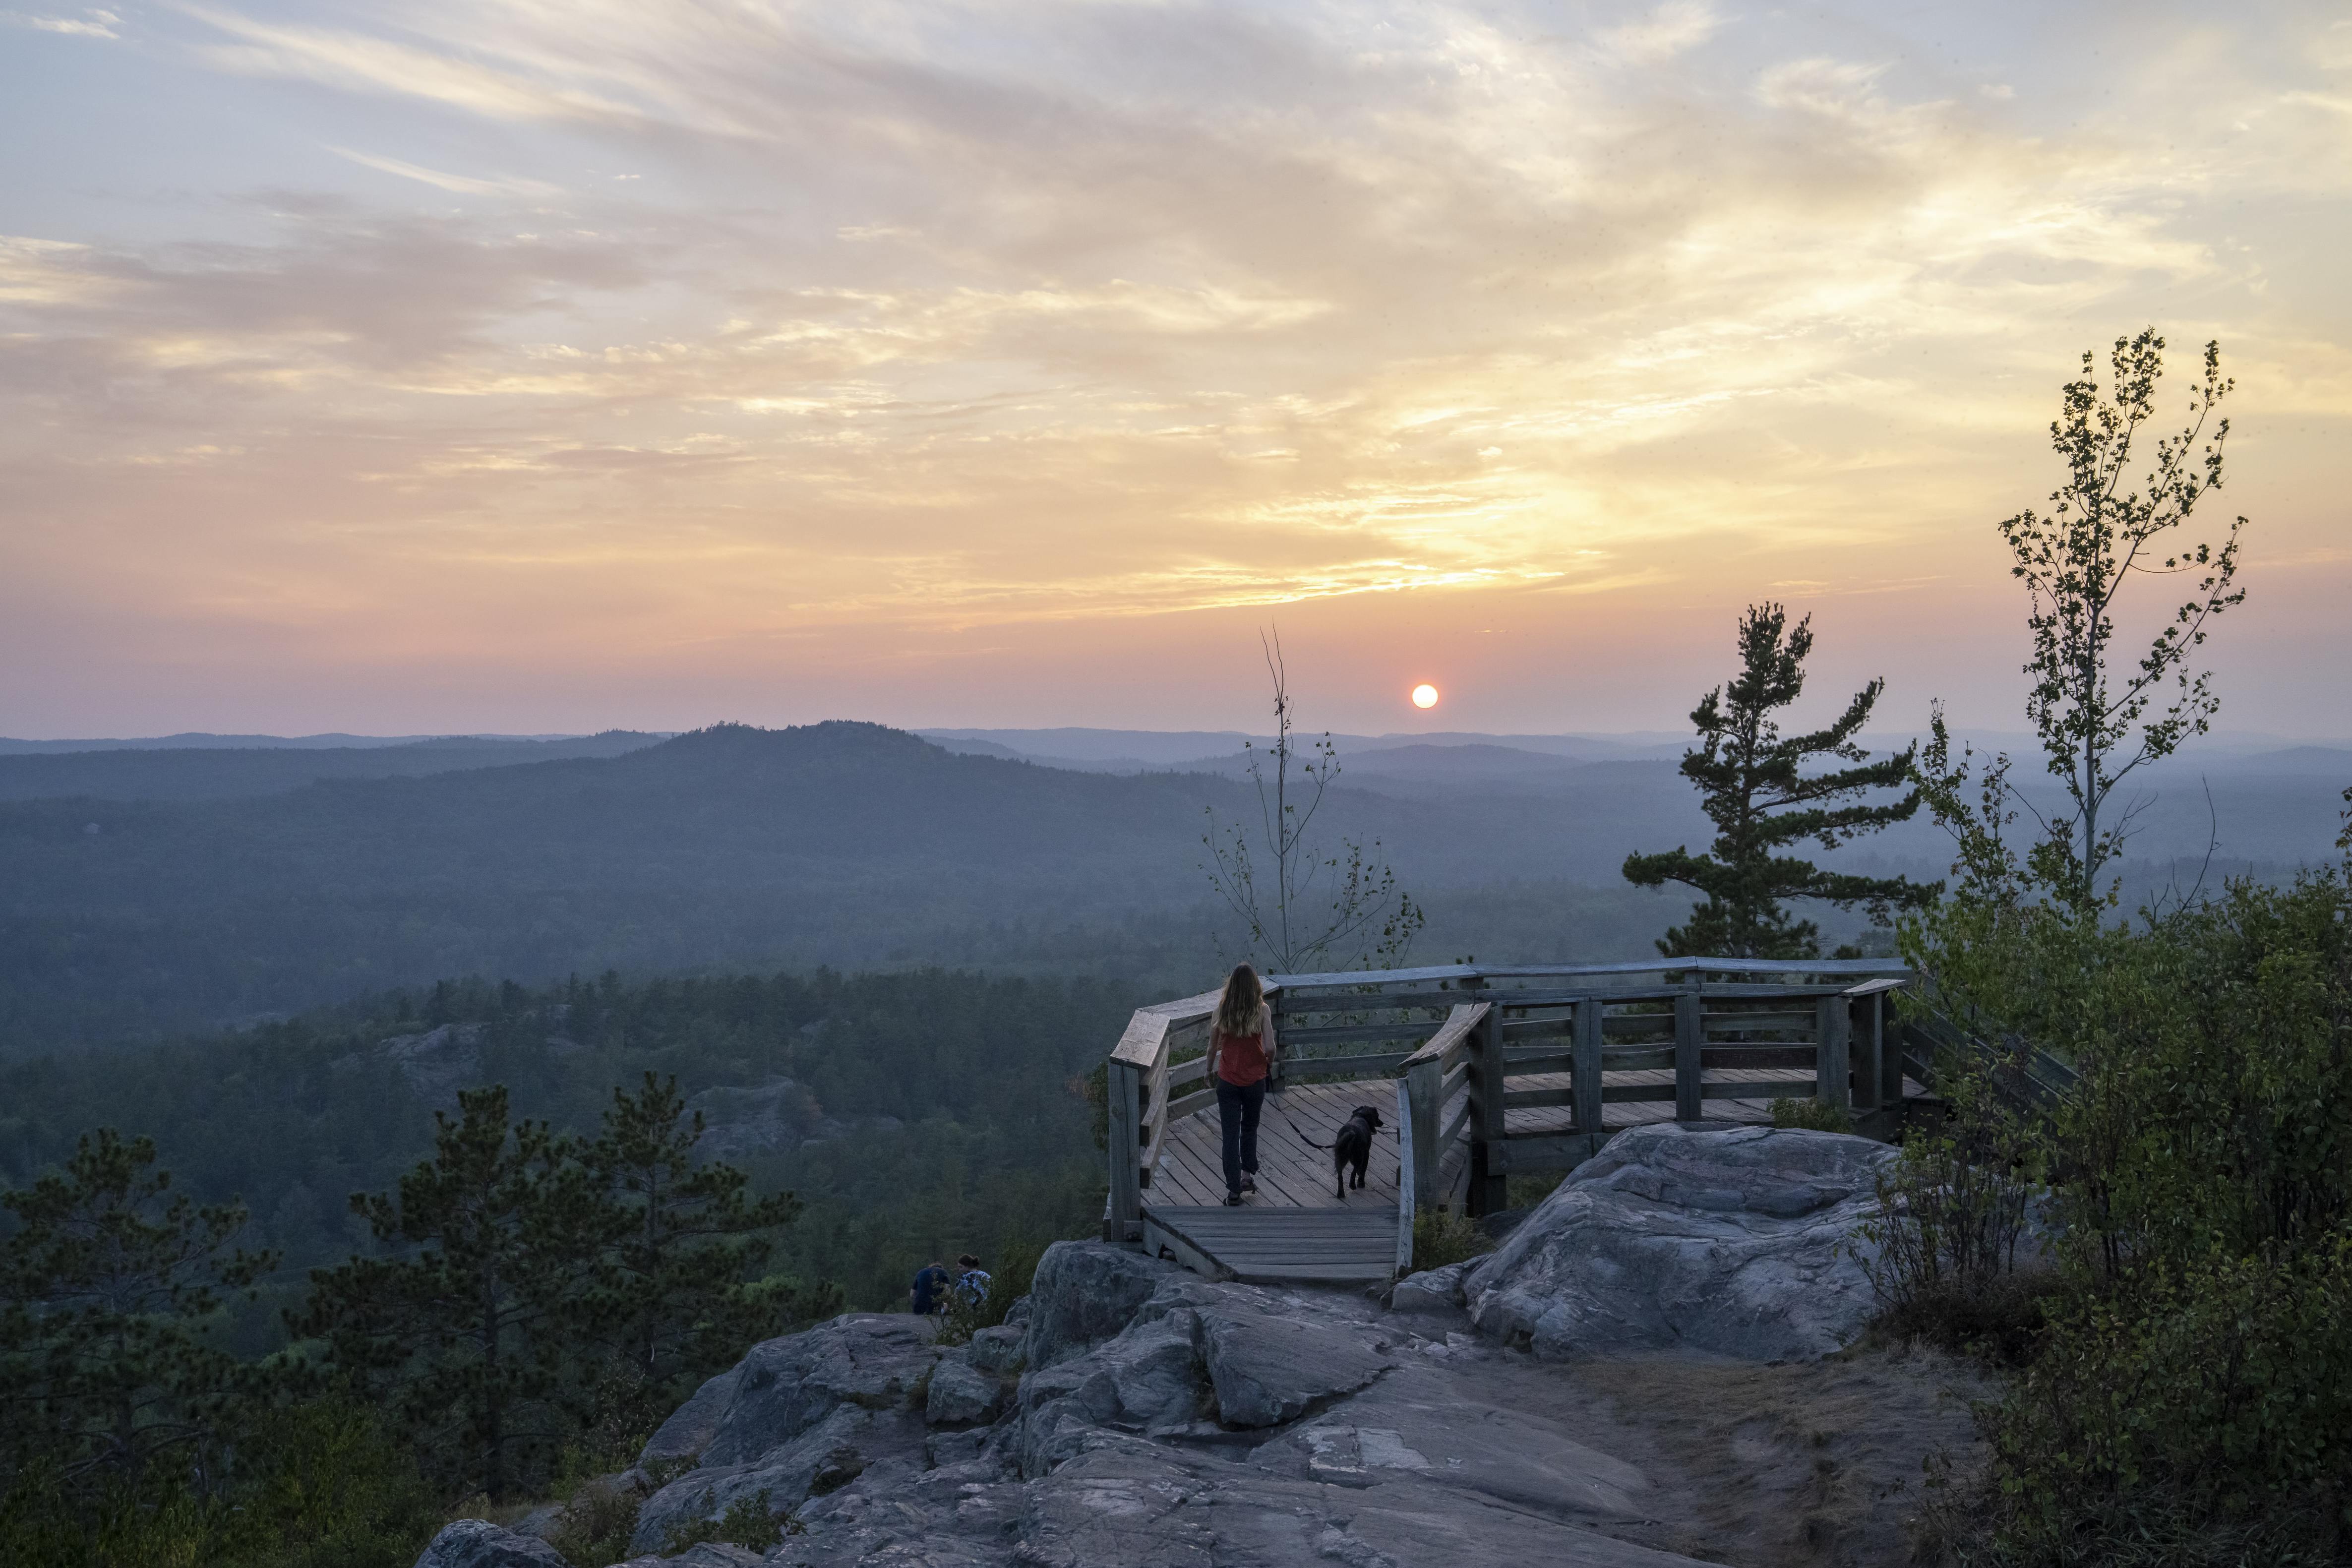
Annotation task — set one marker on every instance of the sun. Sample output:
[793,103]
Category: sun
[1425,696]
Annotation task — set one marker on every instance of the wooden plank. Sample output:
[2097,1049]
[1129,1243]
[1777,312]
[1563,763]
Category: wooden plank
[1689,1072]
[1159,1241]
[1733,1056]
[1588,1069]
[1624,1093]
[1452,1037]
[1139,1046]
[1122,1082]
[1759,1089]
[1348,1034]
[1762,1020]
[1831,1081]
[1366,1064]
[1562,1151]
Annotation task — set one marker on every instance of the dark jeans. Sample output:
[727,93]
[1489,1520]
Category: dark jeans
[1237,1108]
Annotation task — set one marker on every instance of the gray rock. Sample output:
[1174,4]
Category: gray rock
[1016,1316]
[694,1424]
[1150,1377]
[997,1350]
[1432,1291]
[762,1119]
[702,1554]
[1740,1242]
[1269,1366]
[438,1062]
[961,1395]
[541,1522]
[1085,1293]
[820,1459]
[946,1450]
[477,1543]
[787,1385]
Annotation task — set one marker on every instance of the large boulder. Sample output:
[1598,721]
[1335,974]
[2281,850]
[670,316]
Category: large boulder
[1085,1293]
[960,1395]
[798,1417]
[479,1544]
[784,1386]
[1271,1365]
[692,1426]
[1740,1242]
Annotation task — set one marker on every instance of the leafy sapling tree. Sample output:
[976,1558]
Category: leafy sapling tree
[1757,788]
[682,1295]
[105,1278]
[473,1328]
[1306,904]
[2112,520]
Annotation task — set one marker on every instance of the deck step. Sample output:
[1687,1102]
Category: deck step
[1272,1246]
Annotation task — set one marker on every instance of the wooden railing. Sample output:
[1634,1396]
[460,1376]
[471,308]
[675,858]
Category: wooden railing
[1457,1036]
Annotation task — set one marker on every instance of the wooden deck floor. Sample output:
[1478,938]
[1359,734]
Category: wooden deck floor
[1291,1175]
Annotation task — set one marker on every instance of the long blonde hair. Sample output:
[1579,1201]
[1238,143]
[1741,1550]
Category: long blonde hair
[1238,1004]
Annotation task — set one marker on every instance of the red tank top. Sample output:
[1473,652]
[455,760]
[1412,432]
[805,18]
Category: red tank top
[1241,1058]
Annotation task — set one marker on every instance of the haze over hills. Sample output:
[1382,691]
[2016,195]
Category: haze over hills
[165,770]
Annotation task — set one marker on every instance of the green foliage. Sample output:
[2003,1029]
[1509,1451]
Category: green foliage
[1440,1237]
[1016,1268]
[314,1485]
[107,1277]
[469,1326]
[748,1522]
[2098,727]
[686,1243]
[1811,1115]
[1756,789]
[2197,1361]
[596,1523]
[1953,1214]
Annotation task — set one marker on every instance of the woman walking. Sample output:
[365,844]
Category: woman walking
[1241,1056]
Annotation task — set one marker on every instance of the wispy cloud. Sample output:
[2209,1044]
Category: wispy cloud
[463,184]
[89,24]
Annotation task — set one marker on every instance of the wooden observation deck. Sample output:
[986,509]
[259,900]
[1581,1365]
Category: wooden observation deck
[1480,1073]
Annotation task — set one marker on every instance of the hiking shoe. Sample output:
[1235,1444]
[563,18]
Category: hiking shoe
[1249,1183]
[1232,1200]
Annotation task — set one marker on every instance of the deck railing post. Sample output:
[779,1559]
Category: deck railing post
[1690,1037]
[1585,1067]
[1423,1081]
[1888,1037]
[1862,1051]
[1405,1167]
[1123,1092]
[1489,1187]
[1833,1061]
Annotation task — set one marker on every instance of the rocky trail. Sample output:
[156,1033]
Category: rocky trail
[1130,1413]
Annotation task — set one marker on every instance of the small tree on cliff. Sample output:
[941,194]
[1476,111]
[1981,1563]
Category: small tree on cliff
[472,1331]
[1761,799]
[2098,724]
[681,1301]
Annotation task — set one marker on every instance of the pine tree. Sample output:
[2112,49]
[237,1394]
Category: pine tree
[681,1301]
[476,1329]
[105,1281]
[1761,800]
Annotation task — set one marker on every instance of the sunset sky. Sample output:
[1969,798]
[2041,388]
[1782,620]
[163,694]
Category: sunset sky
[505,365]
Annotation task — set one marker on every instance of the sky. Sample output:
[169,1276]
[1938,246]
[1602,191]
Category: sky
[502,365]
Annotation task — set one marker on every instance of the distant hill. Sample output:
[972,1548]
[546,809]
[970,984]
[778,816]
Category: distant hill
[841,843]
[102,771]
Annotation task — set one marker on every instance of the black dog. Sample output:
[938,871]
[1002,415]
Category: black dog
[1354,1146]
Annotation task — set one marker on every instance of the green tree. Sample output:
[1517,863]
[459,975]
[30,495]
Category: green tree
[1761,799]
[474,1330]
[105,1279]
[680,1296]
[2098,725]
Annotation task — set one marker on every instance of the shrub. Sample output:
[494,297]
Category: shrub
[747,1522]
[1812,1116]
[1016,1272]
[596,1524]
[1440,1238]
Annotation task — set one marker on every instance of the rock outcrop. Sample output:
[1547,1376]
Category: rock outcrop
[1130,1413]
[1741,1242]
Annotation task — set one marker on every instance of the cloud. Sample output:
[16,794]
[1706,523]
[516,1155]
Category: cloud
[929,317]
[462,184]
[89,25]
